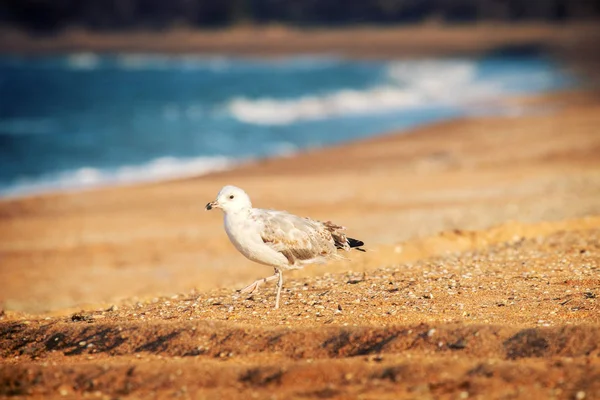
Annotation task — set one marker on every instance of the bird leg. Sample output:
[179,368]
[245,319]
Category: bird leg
[279,286]
[253,287]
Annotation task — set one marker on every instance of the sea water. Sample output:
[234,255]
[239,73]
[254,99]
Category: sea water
[84,120]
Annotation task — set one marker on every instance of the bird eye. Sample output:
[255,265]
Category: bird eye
[231,197]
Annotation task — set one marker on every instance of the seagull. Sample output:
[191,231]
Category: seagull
[277,238]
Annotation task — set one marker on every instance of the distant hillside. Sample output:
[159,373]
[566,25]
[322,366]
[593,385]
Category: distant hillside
[54,15]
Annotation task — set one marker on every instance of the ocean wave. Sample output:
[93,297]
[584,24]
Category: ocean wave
[408,84]
[160,62]
[83,178]
[88,61]
[142,61]
[282,112]
[447,81]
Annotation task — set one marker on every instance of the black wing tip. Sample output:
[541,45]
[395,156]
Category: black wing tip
[355,244]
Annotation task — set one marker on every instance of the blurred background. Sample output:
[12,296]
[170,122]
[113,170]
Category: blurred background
[45,16]
[96,92]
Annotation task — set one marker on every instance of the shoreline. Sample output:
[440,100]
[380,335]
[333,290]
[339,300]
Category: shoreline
[529,103]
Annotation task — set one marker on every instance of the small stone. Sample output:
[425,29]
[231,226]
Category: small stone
[580,395]
[430,332]
[376,358]
[82,316]
[458,345]
[63,390]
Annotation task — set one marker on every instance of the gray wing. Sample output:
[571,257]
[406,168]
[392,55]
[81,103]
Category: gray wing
[298,239]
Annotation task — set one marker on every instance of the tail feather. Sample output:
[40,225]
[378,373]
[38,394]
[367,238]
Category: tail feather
[355,244]
[340,239]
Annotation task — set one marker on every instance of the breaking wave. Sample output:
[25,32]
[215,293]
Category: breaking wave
[406,85]
[219,63]
[216,63]
[83,61]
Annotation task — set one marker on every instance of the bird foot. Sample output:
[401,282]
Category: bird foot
[253,287]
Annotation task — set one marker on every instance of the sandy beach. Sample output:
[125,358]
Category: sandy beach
[481,274]
[481,277]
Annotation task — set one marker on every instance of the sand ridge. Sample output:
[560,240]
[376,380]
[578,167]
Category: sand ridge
[519,318]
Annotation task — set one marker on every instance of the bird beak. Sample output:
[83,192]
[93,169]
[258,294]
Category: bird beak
[212,204]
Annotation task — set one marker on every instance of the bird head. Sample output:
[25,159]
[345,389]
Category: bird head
[230,199]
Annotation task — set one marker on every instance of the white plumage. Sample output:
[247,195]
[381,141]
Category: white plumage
[277,238]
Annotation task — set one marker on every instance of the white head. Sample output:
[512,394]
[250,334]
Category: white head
[230,199]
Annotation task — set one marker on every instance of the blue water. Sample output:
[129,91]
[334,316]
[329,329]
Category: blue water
[83,120]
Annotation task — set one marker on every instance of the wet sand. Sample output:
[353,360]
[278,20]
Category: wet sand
[482,274]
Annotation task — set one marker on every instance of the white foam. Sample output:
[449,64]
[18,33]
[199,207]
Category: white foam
[441,81]
[409,84]
[282,112]
[158,61]
[83,61]
[141,61]
[163,168]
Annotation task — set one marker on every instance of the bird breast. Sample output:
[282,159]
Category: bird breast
[244,234]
